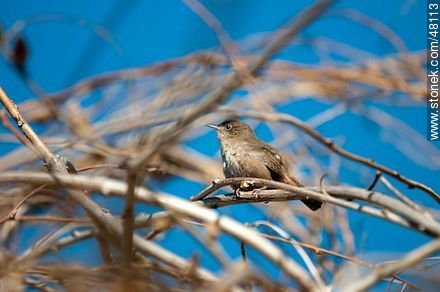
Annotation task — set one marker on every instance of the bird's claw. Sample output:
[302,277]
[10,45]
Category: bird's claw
[237,193]
[246,185]
[257,192]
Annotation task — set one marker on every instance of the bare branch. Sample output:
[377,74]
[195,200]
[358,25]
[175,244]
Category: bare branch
[408,261]
[232,82]
[397,208]
[111,186]
[33,138]
[331,146]
[108,225]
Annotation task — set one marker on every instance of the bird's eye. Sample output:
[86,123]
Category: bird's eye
[228,126]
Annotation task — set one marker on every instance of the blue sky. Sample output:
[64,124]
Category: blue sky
[150,31]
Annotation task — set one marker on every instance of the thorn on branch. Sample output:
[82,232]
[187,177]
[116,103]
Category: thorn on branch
[321,184]
[321,187]
[376,179]
[243,252]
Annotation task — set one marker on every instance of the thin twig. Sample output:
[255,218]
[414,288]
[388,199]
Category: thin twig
[408,261]
[225,40]
[11,214]
[232,82]
[243,252]
[128,220]
[7,124]
[31,218]
[319,250]
[304,256]
[315,249]
[376,179]
[404,198]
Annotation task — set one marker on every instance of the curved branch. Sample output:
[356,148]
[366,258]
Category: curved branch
[329,143]
[408,261]
[109,186]
[394,210]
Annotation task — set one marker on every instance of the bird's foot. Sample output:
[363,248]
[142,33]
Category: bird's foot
[257,192]
[246,185]
[248,194]
[237,193]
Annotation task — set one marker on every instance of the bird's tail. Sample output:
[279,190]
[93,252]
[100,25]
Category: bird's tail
[310,203]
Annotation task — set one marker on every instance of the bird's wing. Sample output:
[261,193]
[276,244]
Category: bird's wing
[272,159]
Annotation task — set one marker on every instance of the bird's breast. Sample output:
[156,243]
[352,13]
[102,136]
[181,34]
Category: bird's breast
[231,163]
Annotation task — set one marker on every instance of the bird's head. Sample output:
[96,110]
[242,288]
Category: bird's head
[231,129]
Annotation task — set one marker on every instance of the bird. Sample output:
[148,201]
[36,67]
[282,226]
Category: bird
[246,155]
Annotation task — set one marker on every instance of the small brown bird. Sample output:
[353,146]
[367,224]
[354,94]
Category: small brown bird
[245,155]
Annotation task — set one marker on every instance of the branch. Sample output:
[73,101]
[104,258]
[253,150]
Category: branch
[107,224]
[313,248]
[27,130]
[402,197]
[327,142]
[233,81]
[210,102]
[408,261]
[394,210]
[11,214]
[225,40]
[109,186]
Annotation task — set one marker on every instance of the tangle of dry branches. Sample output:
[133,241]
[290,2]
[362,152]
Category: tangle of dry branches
[78,164]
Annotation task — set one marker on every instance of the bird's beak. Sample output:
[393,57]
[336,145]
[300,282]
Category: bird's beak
[213,126]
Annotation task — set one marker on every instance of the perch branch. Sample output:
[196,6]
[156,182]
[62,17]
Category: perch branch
[329,143]
[209,102]
[394,210]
